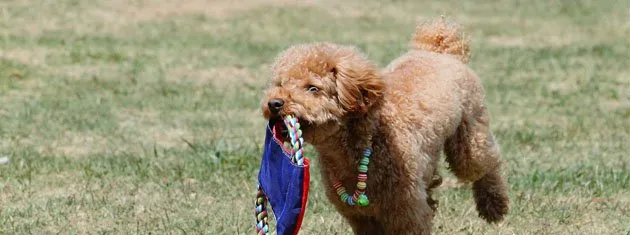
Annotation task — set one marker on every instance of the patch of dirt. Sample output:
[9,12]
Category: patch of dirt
[507,41]
[613,105]
[151,10]
[34,18]
[32,56]
[563,87]
[448,182]
[146,128]
[219,77]
[78,144]
[69,143]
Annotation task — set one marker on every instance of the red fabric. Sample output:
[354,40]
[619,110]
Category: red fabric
[307,176]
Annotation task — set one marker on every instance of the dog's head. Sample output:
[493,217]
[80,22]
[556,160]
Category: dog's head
[323,85]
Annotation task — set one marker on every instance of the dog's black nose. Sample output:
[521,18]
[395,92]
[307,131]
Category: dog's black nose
[275,105]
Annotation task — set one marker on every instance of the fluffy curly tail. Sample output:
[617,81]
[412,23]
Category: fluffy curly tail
[440,36]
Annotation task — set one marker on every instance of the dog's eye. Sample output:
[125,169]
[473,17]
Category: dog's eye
[312,89]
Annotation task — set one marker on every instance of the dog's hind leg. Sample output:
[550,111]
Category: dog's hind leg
[490,195]
[473,155]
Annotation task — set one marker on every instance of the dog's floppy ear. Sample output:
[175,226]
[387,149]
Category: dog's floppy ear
[358,82]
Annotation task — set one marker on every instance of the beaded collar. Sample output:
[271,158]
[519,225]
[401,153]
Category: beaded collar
[358,197]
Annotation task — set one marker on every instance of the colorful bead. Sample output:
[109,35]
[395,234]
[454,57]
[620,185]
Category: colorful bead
[365,161]
[340,191]
[362,177]
[344,196]
[350,201]
[363,200]
[367,152]
[363,168]
[361,185]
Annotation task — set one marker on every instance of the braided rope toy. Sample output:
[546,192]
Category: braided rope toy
[296,140]
[294,145]
[262,226]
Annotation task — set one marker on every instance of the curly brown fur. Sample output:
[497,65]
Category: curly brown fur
[423,103]
[490,197]
[441,36]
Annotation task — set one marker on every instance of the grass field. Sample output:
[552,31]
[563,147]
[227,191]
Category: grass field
[142,117]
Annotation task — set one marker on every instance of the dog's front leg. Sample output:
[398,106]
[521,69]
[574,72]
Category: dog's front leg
[364,225]
[408,216]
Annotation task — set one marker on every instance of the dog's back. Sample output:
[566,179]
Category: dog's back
[442,100]
[432,78]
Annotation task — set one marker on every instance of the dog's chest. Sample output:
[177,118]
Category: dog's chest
[347,174]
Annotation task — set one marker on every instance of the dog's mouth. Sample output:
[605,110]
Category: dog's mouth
[280,131]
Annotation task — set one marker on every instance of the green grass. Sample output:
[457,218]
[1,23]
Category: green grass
[142,117]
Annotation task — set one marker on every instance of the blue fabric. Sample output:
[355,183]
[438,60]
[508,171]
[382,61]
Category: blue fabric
[283,184]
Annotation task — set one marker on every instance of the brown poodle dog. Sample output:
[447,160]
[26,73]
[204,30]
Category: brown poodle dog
[424,102]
